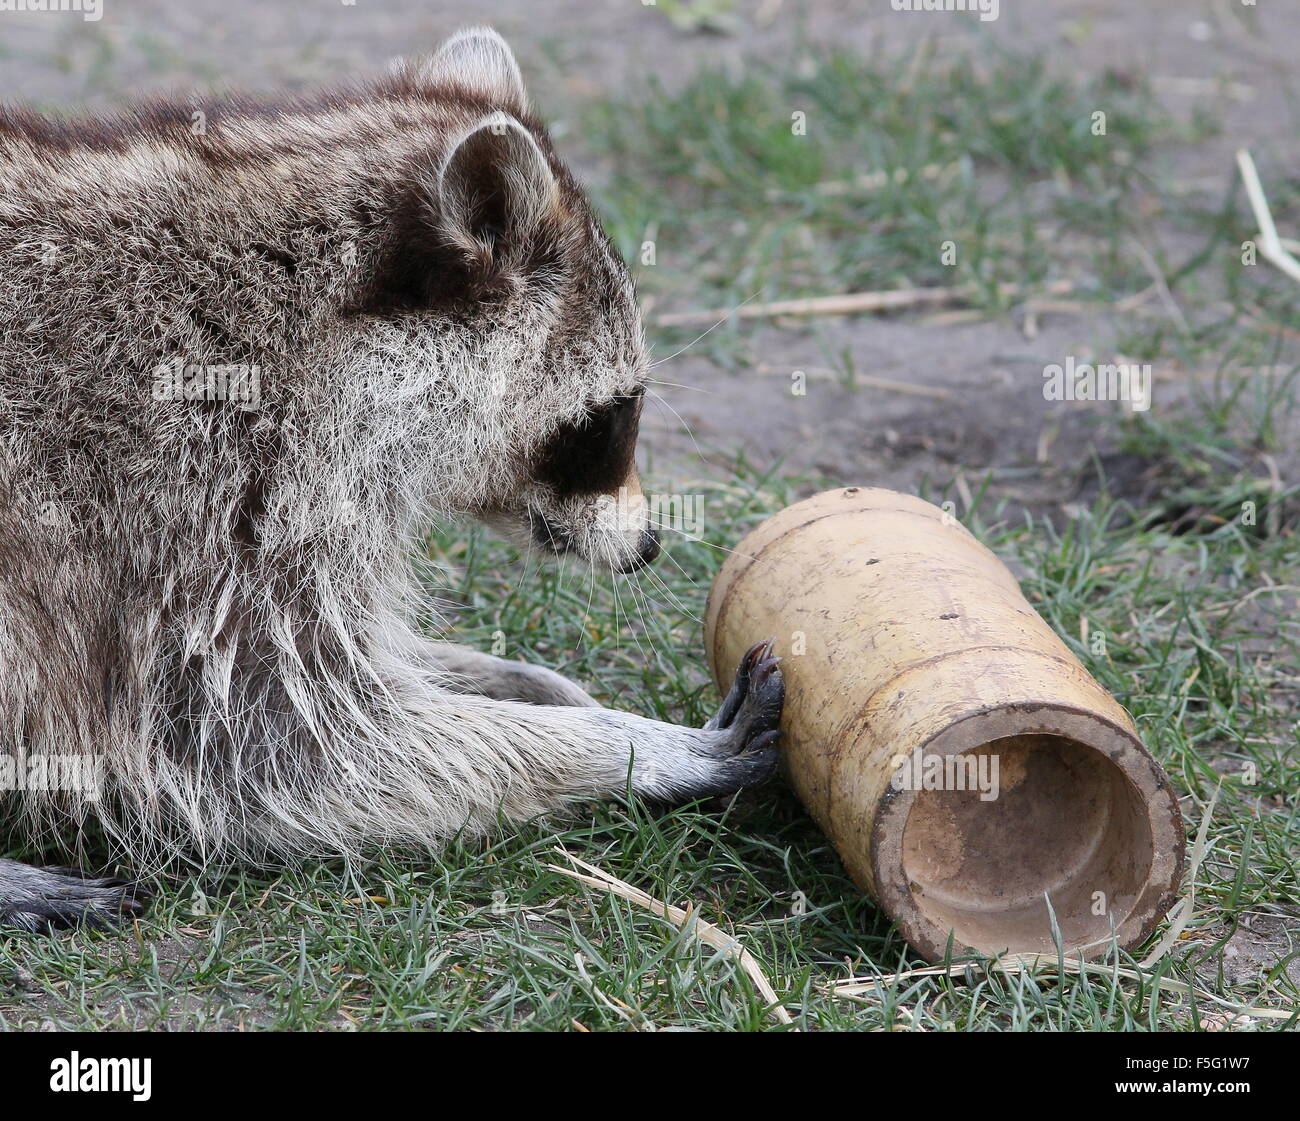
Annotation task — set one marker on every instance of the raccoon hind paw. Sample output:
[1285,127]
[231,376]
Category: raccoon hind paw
[48,899]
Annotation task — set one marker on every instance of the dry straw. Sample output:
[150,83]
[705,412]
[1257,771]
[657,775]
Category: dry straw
[1271,247]
[686,920]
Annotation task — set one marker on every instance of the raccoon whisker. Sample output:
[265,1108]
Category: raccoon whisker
[678,385]
[562,569]
[653,624]
[689,431]
[669,557]
[634,583]
[591,598]
[659,522]
[636,637]
[528,554]
[644,598]
[674,600]
[613,539]
[710,544]
[673,561]
[719,323]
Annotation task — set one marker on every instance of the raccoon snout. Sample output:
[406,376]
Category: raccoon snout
[647,550]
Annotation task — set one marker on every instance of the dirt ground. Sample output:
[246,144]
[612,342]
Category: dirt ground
[988,412]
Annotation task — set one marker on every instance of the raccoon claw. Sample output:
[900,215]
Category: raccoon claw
[731,703]
[751,712]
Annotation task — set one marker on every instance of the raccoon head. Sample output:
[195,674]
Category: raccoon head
[531,320]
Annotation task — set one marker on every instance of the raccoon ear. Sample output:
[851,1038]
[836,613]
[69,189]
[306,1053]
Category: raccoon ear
[479,60]
[494,190]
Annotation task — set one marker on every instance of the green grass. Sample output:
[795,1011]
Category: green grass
[989,154]
[1009,146]
[482,935]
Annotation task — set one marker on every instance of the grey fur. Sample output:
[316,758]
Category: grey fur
[43,899]
[214,596]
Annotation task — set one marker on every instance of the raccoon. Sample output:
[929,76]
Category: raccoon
[249,352]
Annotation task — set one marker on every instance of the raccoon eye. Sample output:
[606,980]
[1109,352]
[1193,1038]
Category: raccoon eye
[593,455]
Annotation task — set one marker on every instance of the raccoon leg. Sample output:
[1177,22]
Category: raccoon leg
[757,690]
[539,758]
[44,899]
[438,764]
[505,680]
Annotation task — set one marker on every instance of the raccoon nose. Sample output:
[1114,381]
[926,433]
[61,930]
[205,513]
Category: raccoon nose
[647,550]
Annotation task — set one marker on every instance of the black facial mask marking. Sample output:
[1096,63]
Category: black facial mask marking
[594,455]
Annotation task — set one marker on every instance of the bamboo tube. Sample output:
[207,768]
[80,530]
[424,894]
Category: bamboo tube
[912,660]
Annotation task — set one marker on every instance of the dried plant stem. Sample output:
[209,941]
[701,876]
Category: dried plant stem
[684,919]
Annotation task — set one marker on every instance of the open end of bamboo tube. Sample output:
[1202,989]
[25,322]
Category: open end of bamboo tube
[1067,821]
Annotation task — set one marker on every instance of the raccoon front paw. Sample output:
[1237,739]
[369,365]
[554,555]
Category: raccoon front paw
[60,898]
[751,714]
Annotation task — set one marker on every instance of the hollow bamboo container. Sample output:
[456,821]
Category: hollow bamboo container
[901,634]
